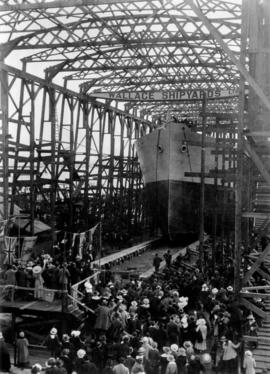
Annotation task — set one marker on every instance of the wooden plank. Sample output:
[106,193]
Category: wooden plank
[26,306]
[253,308]
[254,294]
[256,264]
[124,253]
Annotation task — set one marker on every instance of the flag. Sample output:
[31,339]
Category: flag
[81,244]
[91,233]
[9,248]
[27,247]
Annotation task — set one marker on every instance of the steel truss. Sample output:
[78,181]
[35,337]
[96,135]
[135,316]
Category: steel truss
[61,146]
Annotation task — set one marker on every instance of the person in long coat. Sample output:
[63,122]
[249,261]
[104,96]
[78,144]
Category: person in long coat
[103,320]
[4,355]
[22,350]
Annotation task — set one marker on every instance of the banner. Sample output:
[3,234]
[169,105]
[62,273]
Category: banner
[9,249]
[82,242]
[168,95]
[27,247]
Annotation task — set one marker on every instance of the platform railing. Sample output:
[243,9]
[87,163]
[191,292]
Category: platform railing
[10,289]
[46,294]
[76,295]
[93,279]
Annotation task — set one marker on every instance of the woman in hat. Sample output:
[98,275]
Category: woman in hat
[171,366]
[22,351]
[229,362]
[189,349]
[201,334]
[249,363]
[39,282]
[138,366]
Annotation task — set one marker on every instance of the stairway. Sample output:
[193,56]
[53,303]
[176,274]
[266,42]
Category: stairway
[262,352]
[76,311]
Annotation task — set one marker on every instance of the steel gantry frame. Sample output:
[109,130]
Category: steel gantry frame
[63,151]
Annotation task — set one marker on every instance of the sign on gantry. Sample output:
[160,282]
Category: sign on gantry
[173,95]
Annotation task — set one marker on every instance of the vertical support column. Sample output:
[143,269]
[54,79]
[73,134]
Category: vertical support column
[4,136]
[86,111]
[32,159]
[102,119]
[216,206]
[53,157]
[239,175]
[72,162]
[202,199]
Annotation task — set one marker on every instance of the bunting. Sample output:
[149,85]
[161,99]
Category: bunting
[83,241]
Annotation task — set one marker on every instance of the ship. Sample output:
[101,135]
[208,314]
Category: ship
[170,161]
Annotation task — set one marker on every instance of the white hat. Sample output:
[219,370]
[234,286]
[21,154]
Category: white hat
[75,333]
[141,351]
[146,303]
[205,287]
[81,353]
[145,339]
[120,297]
[21,334]
[37,269]
[214,291]
[248,353]
[174,347]
[187,344]
[201,321]
[37,367]
[53,331]
[229,288]
[87,285]
[183,301]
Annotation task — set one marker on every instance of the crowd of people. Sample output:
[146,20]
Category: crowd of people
[177,321]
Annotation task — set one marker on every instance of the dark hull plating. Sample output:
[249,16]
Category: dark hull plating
[175,208]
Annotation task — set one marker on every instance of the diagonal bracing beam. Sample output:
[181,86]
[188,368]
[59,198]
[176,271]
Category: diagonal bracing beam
[257,161]
[257,89]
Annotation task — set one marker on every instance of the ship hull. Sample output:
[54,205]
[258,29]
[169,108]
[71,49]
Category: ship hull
[171,196]
[174,205]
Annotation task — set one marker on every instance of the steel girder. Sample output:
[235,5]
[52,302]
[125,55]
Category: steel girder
[58,145]
[103,44]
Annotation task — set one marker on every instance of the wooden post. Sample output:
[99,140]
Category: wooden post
[13,336]
[4,135]
[239,176]
[202,199]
